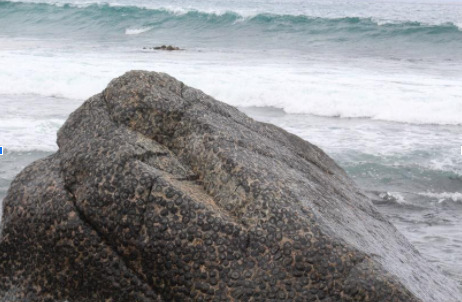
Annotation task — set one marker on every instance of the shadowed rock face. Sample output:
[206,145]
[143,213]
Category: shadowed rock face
[159,192]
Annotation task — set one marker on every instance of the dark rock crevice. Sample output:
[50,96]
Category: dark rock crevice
[108,243]
[41,247]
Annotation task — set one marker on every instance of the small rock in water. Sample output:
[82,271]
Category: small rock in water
[164,47]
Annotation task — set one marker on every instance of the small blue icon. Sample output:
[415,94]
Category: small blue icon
[1,150]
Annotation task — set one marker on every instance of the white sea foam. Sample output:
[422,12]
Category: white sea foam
[30,122]
[325,89]
[137,31]
[23,134]
[444,196]
[393,196]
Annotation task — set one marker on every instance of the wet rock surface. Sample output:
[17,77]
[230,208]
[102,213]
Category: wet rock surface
[164,47]
[160,193]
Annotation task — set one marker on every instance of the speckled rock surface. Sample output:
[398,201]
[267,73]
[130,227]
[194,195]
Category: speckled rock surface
[160,193]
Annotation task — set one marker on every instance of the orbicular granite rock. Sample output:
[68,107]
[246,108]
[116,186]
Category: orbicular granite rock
[160,193]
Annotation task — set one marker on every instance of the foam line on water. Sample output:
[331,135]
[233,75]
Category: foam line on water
[137,31]
[444,196]
[23,134]
[319,89]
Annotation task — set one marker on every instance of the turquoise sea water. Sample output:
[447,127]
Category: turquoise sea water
[232,29]
[376,84]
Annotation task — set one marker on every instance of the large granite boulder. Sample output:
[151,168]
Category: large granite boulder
[160,193]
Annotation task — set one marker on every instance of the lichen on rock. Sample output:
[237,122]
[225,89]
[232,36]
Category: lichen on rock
[160,193]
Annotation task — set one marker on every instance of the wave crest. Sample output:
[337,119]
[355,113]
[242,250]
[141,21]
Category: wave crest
[110,16]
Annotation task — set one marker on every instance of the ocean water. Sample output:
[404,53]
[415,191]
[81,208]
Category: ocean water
[376,84]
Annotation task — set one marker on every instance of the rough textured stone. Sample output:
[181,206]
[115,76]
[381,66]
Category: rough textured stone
[160,193]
